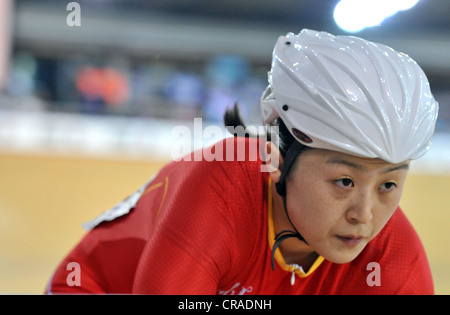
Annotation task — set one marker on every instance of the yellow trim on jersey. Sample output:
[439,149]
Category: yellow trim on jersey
[278,256]
[150,188]
[163,197]
[157,185]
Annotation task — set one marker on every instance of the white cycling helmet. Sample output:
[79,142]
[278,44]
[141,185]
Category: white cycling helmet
[350,95]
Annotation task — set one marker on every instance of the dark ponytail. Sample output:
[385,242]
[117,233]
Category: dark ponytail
[233,119]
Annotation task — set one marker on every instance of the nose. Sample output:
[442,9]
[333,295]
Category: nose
[360,208]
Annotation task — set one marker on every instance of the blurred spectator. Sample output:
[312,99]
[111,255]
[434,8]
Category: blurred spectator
[22,74]
[101,87]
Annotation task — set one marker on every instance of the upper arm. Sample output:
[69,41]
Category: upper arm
[167,267]
[191,243]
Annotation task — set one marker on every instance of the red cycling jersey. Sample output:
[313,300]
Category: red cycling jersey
[205,227]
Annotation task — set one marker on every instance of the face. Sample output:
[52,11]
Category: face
[340,202]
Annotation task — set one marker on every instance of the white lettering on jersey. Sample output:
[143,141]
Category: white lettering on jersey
[235,290]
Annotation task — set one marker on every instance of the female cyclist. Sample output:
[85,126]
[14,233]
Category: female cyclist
[351,115]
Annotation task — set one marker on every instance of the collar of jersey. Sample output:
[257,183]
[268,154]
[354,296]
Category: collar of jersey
[278,256]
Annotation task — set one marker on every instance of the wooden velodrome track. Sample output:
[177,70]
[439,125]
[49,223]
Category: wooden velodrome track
[44,200]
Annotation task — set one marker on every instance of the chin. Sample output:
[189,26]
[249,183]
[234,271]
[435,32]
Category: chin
[341,256]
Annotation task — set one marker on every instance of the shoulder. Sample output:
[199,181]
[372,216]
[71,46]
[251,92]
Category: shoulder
[399,237]
[205,184]
[230,158]
[208,210]
[232,164]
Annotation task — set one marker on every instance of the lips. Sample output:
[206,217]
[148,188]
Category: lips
[350,240]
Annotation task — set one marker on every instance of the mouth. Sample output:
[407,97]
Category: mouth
[350,240]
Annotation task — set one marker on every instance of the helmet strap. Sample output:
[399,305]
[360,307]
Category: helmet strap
[291,155]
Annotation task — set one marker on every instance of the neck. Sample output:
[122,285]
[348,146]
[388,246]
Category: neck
[294,251]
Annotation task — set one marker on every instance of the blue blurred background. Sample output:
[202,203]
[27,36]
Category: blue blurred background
[176,60]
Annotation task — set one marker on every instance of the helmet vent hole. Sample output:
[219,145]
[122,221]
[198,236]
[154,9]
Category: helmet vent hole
[285,107]
[301,136]
[288,43]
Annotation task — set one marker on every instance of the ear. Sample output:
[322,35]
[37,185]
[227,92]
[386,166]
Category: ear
[274,161]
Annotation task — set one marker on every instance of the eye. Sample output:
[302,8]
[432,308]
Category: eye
[388,186]
[344,182]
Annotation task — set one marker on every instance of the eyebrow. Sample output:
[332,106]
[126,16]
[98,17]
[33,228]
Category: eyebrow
[359,167]
[404,166]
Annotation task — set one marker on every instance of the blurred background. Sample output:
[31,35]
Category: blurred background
[89,99]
